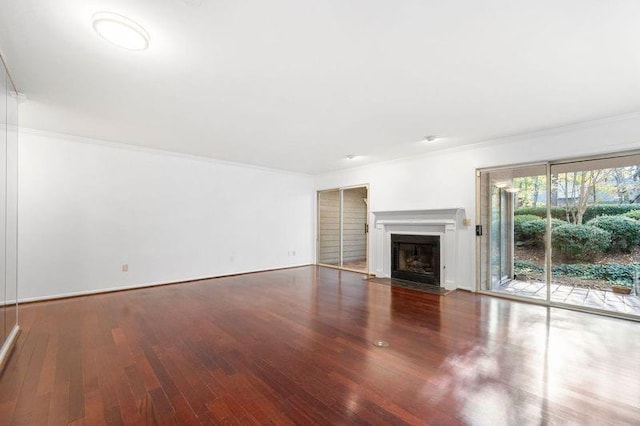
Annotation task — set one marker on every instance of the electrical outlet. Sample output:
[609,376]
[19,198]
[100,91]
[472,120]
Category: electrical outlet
[125,268]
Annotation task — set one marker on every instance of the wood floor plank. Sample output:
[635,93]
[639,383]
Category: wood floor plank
[295,347]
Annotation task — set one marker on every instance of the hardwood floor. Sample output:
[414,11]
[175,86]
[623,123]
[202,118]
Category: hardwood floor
[295,347]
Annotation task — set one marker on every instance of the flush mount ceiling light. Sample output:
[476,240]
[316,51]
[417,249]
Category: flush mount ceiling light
[120,31]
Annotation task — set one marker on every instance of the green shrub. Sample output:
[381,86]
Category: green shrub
[531,232]
[591,212]
[580,241]
[523,233]
[556,212]
[607,210]
[613,272]
[530,229]
[633,214]
[524,217]
[521,266]
[625,232]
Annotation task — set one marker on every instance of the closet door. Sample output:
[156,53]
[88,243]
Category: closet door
[343,228]
[354,228]
[329,227]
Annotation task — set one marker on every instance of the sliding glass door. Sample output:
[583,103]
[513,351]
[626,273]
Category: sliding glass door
[596,253]
[512,252]
[565,233]
[343,228]
[501,238]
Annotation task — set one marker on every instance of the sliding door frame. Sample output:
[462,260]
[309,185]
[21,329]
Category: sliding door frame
[341,248]
[479,194]
[544,302]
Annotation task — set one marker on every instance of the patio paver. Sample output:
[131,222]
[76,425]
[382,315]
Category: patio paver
[601,299]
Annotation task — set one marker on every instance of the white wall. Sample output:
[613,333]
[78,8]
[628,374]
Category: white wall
[446,179]
[86,208]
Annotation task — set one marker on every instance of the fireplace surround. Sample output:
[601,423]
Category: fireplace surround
[445,224]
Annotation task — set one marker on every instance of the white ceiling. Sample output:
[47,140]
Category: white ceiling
[298,85]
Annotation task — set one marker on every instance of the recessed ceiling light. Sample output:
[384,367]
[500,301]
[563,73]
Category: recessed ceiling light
[351,157]
[431,138]
[120,30]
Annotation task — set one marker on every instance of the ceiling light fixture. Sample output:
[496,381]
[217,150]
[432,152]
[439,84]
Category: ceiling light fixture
[351,157]
[120,31]
[431,138]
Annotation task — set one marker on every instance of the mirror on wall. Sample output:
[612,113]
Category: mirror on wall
[8,214]
[4,97]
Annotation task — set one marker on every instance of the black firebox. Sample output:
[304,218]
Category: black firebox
[416,258]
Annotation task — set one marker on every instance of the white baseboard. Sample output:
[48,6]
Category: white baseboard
[144,285]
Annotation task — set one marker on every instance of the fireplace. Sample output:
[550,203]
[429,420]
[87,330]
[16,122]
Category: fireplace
[416,258]
[445,224]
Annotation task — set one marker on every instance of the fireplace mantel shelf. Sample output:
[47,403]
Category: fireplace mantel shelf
[416,221]
[448,211]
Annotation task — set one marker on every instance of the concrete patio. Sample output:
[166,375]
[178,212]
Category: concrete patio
[600,299]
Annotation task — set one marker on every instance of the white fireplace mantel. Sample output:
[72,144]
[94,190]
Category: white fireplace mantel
[441,222]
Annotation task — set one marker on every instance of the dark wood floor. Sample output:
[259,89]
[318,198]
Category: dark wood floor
[295,347]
